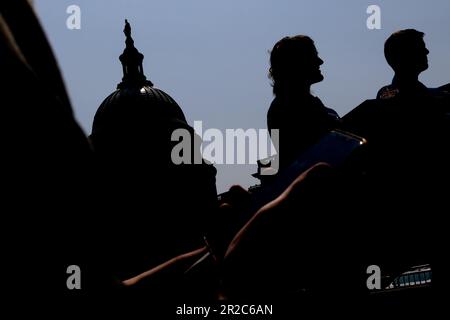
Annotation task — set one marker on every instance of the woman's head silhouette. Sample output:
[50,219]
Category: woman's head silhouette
[294,63]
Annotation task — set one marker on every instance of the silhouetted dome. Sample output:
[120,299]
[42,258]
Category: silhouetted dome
[136,105]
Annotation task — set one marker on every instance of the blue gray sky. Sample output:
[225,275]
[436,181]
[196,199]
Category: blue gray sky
[212,56]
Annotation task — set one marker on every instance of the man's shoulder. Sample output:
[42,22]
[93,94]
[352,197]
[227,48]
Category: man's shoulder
[445,87]
[441,96]
[444,90]
[387,92]
[391,91]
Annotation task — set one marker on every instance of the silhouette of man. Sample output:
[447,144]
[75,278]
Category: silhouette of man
[406,53]
[407,129]
[301,117]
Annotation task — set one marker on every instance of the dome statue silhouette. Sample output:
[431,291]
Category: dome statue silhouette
[136,106]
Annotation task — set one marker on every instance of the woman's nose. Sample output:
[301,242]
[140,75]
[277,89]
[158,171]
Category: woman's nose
[320,61]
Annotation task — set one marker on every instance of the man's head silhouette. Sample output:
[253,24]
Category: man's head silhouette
[406,53]
[294,62]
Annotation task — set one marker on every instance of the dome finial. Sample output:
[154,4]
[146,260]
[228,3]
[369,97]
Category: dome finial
[127,29]
[131,59]
[127,32]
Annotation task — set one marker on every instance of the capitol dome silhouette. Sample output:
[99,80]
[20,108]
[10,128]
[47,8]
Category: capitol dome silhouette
[135,112]
[154,208]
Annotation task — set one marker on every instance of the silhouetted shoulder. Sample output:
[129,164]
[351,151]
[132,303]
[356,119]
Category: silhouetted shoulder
[392,91]
[387,92]
[445,88]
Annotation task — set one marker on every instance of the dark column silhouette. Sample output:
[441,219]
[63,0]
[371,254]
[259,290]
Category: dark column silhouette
[46,159]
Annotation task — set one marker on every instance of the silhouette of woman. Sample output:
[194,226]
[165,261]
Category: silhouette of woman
[301,117]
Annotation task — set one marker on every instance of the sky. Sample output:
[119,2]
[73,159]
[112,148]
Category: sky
[212,56]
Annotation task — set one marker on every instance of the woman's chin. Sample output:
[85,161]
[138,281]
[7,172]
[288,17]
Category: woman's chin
[318,78]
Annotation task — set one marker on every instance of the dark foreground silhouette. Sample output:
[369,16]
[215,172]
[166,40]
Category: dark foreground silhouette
[47,214]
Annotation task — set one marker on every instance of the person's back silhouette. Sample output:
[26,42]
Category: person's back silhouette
[301,117]
[407,130]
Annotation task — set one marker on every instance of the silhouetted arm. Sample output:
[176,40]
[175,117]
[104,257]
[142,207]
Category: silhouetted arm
[176,265]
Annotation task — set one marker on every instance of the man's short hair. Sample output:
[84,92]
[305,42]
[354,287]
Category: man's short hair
[397,46]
